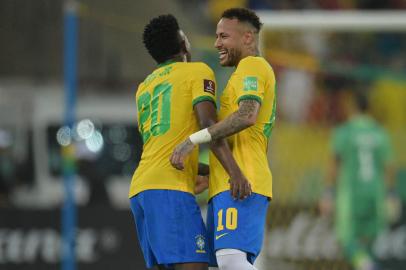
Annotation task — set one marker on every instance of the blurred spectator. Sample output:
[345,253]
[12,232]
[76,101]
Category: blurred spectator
[361,164]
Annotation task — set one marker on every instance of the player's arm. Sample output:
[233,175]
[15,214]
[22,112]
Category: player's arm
[326,202]
[206,114]
[244,117]
[249,90]
[239,186]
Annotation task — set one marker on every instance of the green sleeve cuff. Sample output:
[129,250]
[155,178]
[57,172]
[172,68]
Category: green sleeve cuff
[252,97]
[203,98]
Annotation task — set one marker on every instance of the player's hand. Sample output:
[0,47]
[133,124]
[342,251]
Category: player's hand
[202,183]
[240,187]
[179,154]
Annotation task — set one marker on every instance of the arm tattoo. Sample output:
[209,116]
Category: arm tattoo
[247,108]
[235,122]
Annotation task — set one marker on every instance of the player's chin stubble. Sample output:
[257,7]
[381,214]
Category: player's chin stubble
[232,58]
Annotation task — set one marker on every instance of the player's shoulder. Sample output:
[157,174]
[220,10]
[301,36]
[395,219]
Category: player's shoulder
[254,63]
[197,70]
[257,61]
[149,79]
[140,87]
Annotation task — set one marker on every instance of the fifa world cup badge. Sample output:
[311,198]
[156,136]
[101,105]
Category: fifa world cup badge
[209,86]
[200,243]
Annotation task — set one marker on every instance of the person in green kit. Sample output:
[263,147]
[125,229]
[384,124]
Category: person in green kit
[361,166]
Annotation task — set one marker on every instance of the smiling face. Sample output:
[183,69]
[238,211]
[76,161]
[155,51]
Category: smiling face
[234,41]
[230,41]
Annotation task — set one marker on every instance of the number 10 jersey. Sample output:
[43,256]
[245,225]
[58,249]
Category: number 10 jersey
[165,102]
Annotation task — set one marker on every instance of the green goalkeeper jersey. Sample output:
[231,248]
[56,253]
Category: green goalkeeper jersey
[363,148]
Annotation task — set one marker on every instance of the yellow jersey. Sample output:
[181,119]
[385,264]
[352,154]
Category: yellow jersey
[252,79]
[165,102]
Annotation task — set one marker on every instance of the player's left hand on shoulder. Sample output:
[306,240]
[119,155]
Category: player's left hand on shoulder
[181,151]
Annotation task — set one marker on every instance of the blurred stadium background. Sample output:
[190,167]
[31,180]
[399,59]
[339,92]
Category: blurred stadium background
[318,67]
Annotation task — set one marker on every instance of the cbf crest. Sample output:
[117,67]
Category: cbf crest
[200,244]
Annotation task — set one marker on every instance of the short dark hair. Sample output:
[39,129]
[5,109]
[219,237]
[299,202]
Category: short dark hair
[243,15]
[161,37]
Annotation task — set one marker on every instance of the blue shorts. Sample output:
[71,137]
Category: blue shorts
[236,224]
[170,227]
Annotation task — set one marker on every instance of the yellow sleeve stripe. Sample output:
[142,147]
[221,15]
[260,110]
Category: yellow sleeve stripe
[245,97]
[203,98]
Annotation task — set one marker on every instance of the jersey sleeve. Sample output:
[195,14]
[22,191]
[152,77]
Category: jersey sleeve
[203,84]
[248,81]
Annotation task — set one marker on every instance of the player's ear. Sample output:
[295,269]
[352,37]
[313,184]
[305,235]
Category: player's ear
[249,37]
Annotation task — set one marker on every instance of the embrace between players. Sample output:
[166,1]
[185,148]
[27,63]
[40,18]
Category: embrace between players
[177,111]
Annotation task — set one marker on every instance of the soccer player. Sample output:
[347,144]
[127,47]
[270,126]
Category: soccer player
[362,160]
[247,114]
[172,102]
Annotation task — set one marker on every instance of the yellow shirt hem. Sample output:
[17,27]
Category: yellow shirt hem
[137,190]
[266,194]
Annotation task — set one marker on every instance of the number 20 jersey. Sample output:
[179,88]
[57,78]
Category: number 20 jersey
[165,102]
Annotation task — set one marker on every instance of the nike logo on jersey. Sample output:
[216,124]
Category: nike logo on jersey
[221,235]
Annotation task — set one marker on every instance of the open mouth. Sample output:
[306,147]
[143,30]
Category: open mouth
[222,54]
